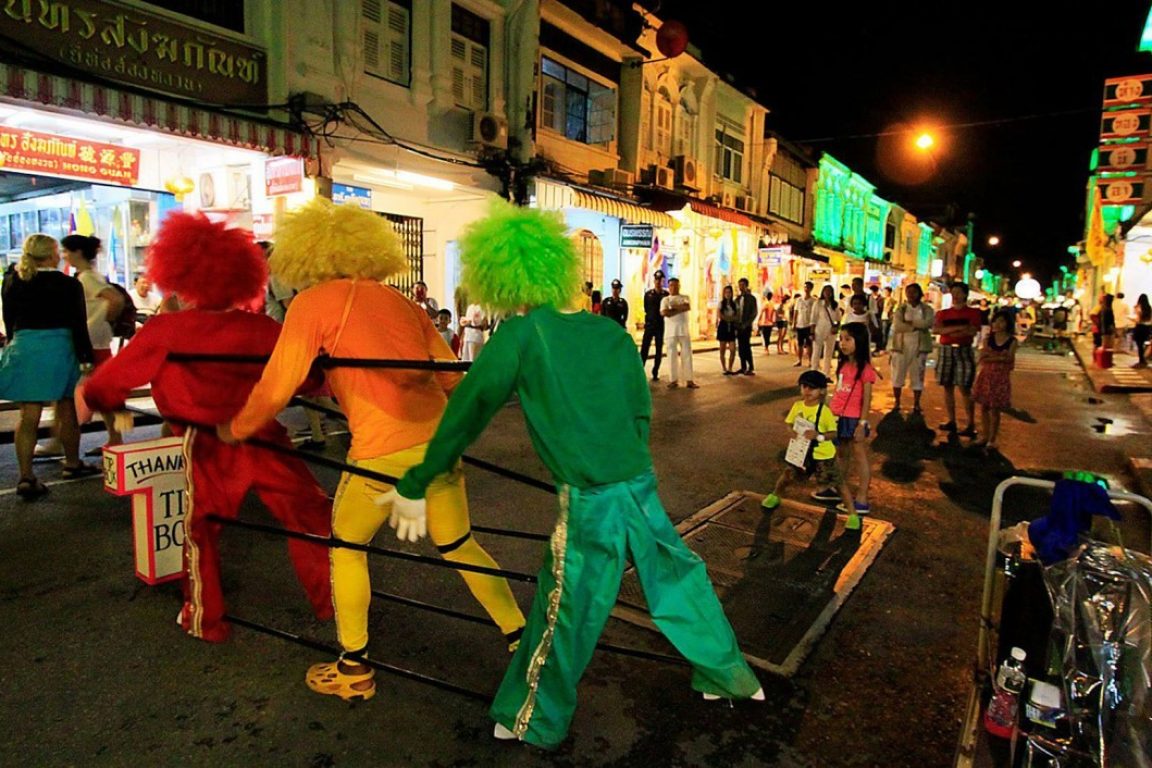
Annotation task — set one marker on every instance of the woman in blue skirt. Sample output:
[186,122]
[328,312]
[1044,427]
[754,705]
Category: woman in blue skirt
[46,321]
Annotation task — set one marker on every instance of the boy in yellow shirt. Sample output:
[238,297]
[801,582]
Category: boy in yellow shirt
[819,425]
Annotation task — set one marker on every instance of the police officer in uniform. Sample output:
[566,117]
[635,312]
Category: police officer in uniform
[654,322]
[616,307]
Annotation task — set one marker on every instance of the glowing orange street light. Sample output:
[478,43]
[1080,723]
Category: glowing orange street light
[925,141]
[1016,263]
[993,241]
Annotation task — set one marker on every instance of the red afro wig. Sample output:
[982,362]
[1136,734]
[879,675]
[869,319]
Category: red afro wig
[207,264]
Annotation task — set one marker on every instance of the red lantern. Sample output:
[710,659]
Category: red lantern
[672,39]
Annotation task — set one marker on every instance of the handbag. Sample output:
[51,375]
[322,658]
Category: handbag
[835,325]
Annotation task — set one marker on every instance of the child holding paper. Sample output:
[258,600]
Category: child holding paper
[811,451]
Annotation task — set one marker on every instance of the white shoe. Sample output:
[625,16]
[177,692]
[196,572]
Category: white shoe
[502,733]
[758,696]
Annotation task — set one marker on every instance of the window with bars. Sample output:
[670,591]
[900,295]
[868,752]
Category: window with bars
[387,39]
[411,232]
[469,48]
[574,105]
[729,154]
[787,184]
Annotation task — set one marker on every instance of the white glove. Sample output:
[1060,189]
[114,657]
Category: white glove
[409,518]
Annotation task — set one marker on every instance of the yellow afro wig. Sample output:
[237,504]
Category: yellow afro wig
[321,241]
[519,257]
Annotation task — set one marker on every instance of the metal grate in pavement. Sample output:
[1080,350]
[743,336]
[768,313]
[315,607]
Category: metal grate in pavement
[780,577]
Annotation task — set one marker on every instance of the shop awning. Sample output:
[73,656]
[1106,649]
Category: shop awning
[60,93]
[621,209]
[724,214]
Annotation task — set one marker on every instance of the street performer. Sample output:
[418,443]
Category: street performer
[217,475]
[337,257]
[589,425]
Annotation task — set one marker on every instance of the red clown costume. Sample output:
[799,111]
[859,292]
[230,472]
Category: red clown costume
[183,260]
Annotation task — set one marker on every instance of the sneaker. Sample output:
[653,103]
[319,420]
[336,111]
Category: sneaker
[693,385]
[49,449]
[655,377]
[757,696]
[771,501]
[826,494]
[749,373]
[862,509]
[948,426]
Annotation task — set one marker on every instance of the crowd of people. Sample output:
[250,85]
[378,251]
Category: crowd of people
[528,333]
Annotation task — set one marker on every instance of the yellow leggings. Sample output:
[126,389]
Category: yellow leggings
[357,518]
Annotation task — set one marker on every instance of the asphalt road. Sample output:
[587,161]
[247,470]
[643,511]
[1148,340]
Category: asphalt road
[96,674]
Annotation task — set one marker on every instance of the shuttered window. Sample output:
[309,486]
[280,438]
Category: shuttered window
[387,39]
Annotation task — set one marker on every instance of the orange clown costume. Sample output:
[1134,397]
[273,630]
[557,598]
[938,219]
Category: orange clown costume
[337,257]
[217,475]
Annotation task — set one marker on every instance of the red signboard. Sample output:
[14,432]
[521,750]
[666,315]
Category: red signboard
[1124,190]
[1126,124]
[1129,156]
[1132,89]
[283,175]
[31,152]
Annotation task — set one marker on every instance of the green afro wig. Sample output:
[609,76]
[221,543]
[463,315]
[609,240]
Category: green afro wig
[519,257]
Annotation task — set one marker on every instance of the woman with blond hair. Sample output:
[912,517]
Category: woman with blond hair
[46,322]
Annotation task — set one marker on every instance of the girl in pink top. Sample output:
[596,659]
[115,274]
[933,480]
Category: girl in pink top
[852,403]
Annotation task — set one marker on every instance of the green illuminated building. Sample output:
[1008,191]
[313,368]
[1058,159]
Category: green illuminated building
[850,216]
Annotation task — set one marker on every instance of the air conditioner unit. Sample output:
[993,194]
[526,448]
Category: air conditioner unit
[489,130]
[728,200]
[746,203]
[657,176]
[686,172]
[611,177]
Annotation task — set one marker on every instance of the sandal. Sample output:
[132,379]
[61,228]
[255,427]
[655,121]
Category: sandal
[30,489]
[326,678]
[80,470]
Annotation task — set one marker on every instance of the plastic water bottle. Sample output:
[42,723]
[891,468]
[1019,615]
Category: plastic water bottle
[1004,707]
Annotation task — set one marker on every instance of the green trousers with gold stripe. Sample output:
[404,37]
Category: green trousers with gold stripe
[598,530]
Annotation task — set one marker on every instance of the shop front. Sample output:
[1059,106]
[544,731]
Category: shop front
[70,163]
[618,239]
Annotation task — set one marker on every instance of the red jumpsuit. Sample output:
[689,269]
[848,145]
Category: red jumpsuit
[219,475]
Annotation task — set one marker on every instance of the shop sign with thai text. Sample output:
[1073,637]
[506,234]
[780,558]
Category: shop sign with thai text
[1125,124]
[1130,156]
[347,194]
[31,152]
[1123,190]
[636,235]
[1131,89]
[283,175]
[133,46]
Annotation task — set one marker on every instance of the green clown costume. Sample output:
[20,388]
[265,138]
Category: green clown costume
[589,424]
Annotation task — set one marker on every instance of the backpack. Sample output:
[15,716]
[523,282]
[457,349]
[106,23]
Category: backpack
[124,326]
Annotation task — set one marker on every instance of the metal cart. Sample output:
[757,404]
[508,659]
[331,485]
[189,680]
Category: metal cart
[968,754]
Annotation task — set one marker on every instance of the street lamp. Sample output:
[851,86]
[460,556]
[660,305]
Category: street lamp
[1016,264]
[925,141]
[993,241]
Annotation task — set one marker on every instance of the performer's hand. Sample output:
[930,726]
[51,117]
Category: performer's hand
[409,518]
[224,432]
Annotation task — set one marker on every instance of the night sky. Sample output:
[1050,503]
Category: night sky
[827,70]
